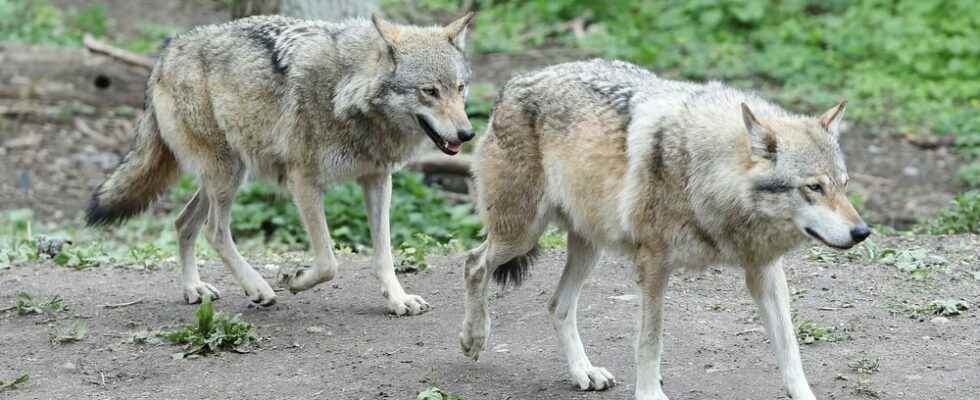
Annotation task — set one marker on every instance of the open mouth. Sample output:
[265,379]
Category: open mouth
[450,148]
[817,236]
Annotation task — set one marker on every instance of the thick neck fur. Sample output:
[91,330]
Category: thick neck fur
[689,166]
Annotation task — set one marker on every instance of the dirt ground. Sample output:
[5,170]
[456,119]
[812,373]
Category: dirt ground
[715,348]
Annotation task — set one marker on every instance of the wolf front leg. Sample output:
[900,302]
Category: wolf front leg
[652,280]
[308,197]
[377,198]
[768,287]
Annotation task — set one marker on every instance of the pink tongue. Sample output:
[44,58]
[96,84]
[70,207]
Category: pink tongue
[453,146]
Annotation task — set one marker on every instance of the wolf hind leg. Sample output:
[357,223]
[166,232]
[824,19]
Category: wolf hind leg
[308,197]
[220,183]
[582,257]
[188,226]
[652,277]
[767,284]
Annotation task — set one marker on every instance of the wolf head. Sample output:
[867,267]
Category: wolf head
[426,90]
[798,175]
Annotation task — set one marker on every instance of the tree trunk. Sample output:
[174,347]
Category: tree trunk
[329,10]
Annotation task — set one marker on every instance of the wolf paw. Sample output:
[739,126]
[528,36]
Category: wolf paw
[259,292]
[593,378]
[473,338]
[305,277]
[193,292]
[408,304]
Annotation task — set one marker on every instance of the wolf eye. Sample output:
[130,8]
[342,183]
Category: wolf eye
[815,187]
[431,91]
[462,87]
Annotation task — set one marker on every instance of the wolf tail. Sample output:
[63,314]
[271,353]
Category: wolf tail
[515,271]
[144,174]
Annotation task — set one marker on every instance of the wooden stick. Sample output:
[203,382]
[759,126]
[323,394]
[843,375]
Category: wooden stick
[123,304]
[97,46]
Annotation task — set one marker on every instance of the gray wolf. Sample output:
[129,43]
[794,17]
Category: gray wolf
[673,175]
[301,103]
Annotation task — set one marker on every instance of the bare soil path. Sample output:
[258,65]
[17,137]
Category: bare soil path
[715,348]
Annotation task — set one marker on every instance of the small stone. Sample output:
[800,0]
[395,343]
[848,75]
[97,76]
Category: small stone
[940,320]
[315,329]
[910,171]
[69,366]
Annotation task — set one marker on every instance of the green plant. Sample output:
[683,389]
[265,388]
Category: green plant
[212,332]
[149,38]
[864,365]
[27,304]
[963,217]
[434,393]
[412,253]
[16,238]
[83,256]
[20,380]
[74,332]
[809,333]
[944,307]
[915,261]
[553,239]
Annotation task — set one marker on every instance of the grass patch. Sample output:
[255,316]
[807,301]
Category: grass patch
[213,331]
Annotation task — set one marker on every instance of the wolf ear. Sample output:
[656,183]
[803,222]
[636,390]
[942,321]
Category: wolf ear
[761,139]
[456,30]
[830,120]
[388,31]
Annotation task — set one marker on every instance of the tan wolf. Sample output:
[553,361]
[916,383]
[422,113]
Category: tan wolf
[302,103]
[673,175]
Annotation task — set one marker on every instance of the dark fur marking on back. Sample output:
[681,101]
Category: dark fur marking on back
[266,36]
[657,154]
[515,271]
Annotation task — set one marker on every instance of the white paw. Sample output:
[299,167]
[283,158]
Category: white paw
[305,277]
[258,290]
[193,292]
[589,377]
[473,338]
[407,304]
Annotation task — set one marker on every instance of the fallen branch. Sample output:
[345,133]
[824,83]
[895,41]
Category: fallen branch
[97,46]
[123,304]
[438,163]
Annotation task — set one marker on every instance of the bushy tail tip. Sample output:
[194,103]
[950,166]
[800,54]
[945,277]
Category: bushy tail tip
[515,271]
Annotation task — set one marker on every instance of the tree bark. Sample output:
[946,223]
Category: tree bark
[328,10]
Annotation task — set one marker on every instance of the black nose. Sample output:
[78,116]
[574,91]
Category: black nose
[465,134]
[860,232]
